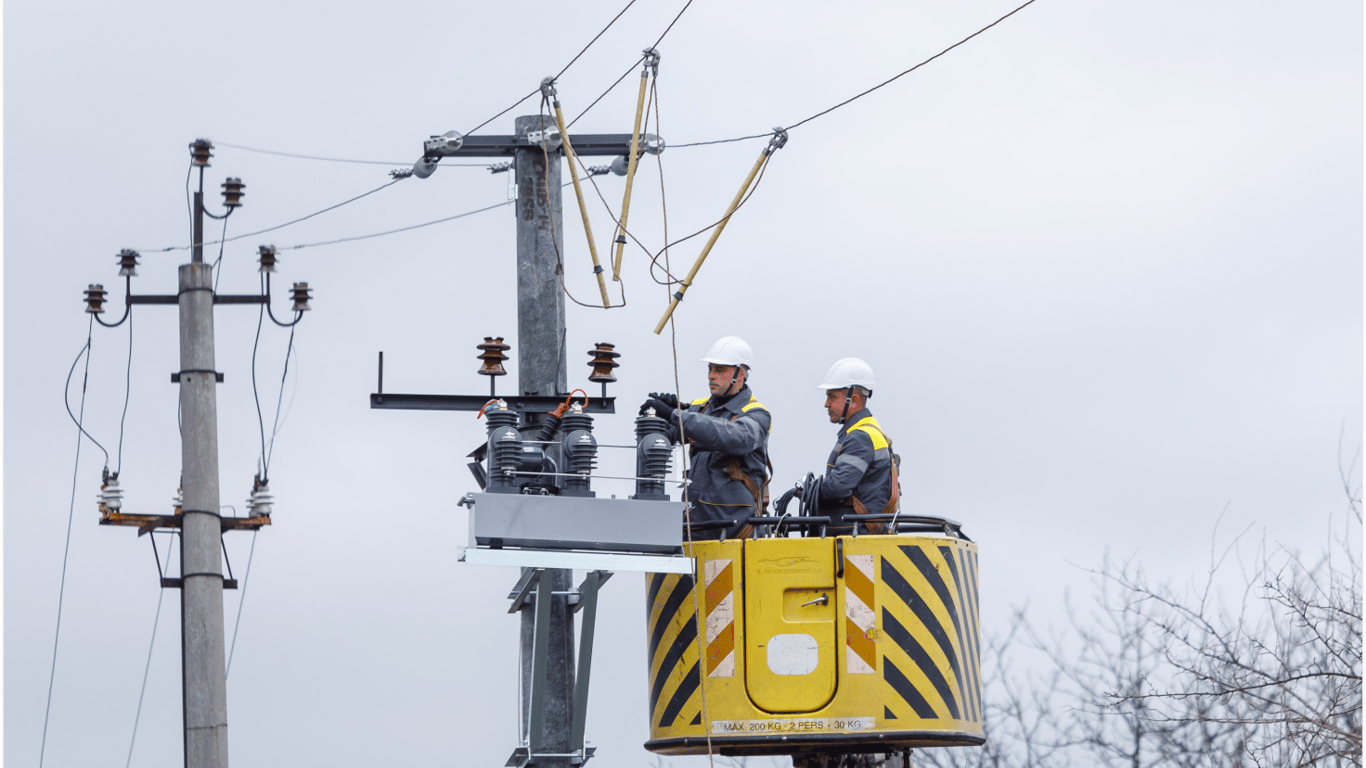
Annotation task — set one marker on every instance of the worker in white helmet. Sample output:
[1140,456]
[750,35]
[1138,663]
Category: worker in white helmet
[727,437]
[861,473]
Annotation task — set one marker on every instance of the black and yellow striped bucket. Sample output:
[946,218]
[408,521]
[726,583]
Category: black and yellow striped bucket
[841,644]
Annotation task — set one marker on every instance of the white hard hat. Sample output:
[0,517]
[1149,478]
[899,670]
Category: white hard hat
[730,350]
[846,372]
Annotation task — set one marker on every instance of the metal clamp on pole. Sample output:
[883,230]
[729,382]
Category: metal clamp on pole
[548,92]
[777,142]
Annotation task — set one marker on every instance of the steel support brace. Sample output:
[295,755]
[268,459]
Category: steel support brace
[541,652]
[588,601]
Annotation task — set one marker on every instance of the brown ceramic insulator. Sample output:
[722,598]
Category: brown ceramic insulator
[491,352]
[604,360]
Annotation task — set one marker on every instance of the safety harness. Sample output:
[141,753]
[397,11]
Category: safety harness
[869,425]
[734,468]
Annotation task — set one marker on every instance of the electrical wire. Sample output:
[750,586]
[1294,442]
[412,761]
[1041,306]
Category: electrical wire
[595,39]
[275,426]
[400,229]
[610,88]
[222,241]
[339,159]
[66,395]
[864,93]
[278,226]
[671,24]
[256,343]
[912,69]
[161,593]
[127,391]
[71,515]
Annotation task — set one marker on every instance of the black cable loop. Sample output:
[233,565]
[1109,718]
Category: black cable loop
[299,313]
[127,305]
[85,350]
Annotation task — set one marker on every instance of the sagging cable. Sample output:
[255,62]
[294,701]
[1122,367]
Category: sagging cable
[548,92]
[775,143]
[651,65]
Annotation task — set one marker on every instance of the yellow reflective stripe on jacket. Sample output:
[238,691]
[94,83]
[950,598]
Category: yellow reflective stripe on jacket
[752,404]
[874,430]
[700,401]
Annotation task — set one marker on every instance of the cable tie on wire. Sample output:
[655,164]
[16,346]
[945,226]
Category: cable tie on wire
[597,269]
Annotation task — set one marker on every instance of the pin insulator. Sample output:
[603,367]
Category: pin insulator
[200,152]
[128,263]
[267,258]
[301,297]
[94,298]
[491,352]
[603,362]
[232,192]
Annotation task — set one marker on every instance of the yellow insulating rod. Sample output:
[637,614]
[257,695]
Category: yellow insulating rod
[651,60]
[578,191]
[774,144]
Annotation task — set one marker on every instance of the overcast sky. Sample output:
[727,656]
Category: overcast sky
[1105,260]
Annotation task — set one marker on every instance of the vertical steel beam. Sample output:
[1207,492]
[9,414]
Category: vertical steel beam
[588,605]
[201,596]
[541,370]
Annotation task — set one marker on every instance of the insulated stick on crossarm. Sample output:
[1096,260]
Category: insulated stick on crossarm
[548,88]
[774,144]
[651,62]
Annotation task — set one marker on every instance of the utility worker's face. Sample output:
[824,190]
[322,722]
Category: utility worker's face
[719,379]
[834,403]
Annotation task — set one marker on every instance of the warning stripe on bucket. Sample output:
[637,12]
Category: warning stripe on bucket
[929,614]
[720,610]
[859,618]
[674,670]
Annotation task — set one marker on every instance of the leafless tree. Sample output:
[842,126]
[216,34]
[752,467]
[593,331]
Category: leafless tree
[1160,676]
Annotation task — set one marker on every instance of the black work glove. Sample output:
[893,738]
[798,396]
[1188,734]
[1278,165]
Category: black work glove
[668,398]
[662,409]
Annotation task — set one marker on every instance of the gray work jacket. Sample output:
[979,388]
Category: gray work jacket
[859,467]
[732,434]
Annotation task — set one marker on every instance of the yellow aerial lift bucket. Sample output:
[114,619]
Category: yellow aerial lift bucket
[847,644]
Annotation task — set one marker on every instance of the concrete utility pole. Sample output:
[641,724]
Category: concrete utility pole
[204,676]
[541,370]
[201,594]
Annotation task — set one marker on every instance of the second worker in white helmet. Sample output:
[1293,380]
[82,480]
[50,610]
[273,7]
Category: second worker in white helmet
[861,473]
[727,437]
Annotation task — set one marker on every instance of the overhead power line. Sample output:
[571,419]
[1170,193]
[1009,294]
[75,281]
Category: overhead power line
[342,159]
[864,93]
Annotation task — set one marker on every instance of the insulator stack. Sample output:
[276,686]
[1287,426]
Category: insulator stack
[604,360]
[580,451]
[491,352]
[654,452]
[94,299]
[260,503]
[128,263]
[267,258]
[232,193]
[200,152]
[504,447]
[301,297]
[111,497]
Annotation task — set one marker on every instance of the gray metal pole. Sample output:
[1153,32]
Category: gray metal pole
[541,370]
[204,678]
